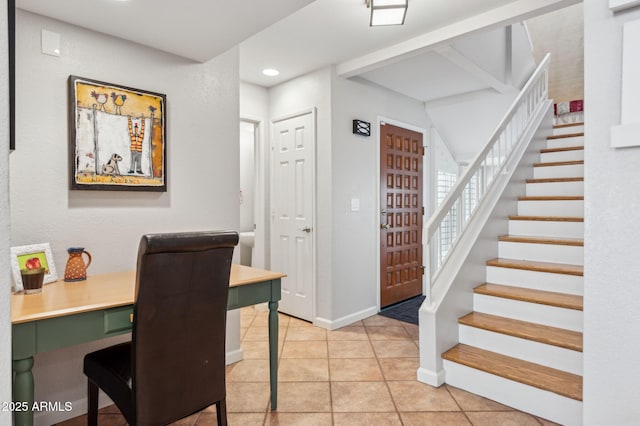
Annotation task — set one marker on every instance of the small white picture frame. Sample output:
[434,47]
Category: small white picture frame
[20,254]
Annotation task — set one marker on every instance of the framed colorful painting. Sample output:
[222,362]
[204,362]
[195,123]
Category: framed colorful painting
[117,137]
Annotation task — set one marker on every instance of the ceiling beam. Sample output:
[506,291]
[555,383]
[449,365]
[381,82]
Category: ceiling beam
[495,18]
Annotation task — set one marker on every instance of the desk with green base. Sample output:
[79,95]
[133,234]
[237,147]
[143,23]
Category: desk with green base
[67,314]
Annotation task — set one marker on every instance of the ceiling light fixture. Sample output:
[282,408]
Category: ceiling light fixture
[271,72]
[387,12]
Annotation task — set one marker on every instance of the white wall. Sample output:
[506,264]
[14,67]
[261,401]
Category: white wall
[487,50]
[203,158]
[467,125]
[612,230]
[467,121]
[561,32]
[346,168]
[5,276]
[355,174]
[301,94]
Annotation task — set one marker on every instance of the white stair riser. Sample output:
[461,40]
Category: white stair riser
[538,402]
[545,281]
[532,312]
[568,130]
[551,208]
[573,255]
[545,172]
[527,350]
[545,228]
[573,155]
[565,142]
[555,188]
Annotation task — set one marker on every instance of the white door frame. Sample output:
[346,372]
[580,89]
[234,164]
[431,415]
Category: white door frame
[261,191]
[425,193]
[313,112]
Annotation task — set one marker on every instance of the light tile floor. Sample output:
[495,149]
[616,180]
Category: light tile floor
[363,374]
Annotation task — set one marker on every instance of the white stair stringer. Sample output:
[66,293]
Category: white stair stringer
[544,228]
[541,403]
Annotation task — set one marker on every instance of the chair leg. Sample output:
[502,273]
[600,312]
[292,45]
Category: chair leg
[221,411]
[92,403]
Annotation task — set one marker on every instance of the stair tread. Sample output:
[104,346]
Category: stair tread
[552,198]
[552,180]
[549,298]
[555,336]
[559,163]
[549,218]
[568,135]
[539,376]
[563,125]
[562,149]
[558,268]
[579,242]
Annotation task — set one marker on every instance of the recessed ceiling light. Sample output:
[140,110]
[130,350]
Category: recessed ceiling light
[271,72]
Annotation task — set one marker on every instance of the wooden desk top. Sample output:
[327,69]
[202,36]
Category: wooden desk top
[102,291]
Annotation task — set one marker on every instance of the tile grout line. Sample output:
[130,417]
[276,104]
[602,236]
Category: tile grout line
[333,419]
[464,413]
[386,383]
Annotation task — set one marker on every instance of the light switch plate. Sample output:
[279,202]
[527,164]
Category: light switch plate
[50,43]
[355,204]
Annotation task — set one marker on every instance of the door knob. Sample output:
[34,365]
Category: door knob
[385,226]
[306,229]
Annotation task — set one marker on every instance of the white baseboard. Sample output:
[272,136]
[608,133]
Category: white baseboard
[234,356]
[430,377]
[346,320]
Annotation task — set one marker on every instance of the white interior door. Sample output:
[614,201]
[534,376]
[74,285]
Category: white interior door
[292,203]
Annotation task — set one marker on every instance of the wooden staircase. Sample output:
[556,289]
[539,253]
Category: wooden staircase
[522,344]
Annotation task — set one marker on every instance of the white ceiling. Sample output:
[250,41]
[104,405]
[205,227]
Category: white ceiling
[421,68]
[194,29]
[332,31]
[299,36]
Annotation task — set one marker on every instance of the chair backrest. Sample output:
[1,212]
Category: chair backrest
[179,327]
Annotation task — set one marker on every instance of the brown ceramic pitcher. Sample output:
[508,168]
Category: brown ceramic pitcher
[76,269]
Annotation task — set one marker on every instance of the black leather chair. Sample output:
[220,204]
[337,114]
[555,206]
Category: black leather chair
[174,365]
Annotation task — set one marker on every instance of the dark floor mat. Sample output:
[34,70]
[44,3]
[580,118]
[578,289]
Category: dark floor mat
[406,311]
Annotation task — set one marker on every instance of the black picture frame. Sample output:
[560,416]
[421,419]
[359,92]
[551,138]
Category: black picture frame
[11,26]
[109,148]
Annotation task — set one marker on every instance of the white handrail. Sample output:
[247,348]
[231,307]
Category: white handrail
[478,177]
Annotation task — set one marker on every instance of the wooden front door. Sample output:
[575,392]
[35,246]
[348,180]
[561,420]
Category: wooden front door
[401,168]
